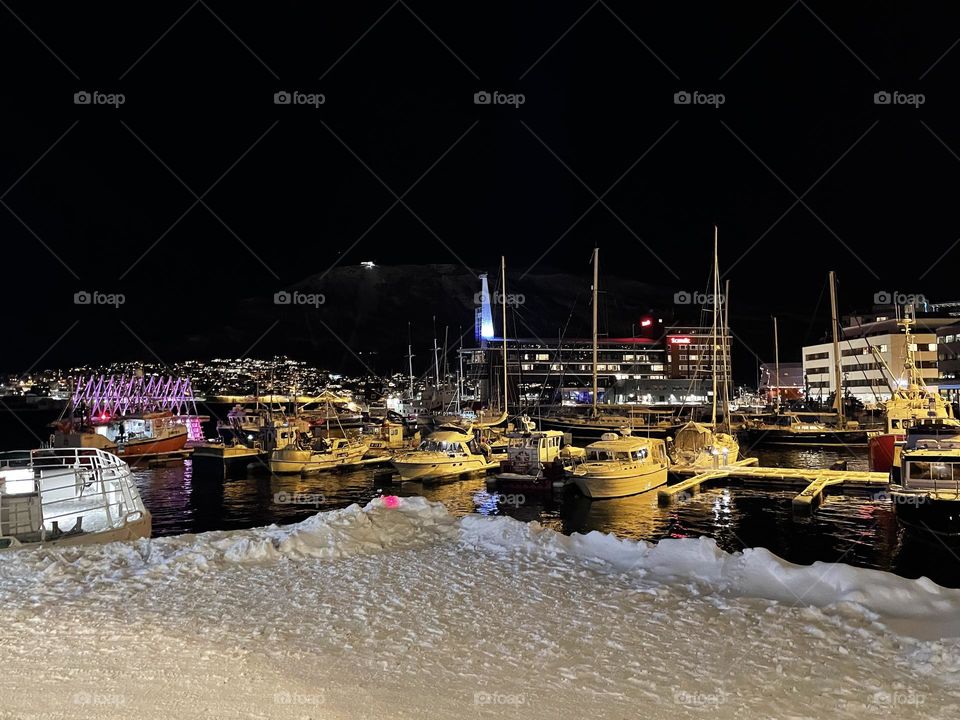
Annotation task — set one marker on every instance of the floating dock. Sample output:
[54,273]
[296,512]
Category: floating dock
[813,481]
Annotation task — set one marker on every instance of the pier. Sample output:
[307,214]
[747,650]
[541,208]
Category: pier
[813,482]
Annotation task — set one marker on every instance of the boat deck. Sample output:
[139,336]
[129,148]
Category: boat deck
[813,482]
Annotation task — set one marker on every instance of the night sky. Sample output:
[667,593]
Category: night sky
[199,192]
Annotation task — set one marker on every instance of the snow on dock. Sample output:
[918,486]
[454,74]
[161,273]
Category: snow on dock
[399,610]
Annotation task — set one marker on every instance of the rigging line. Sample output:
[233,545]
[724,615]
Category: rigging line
[862,369]
[562,335]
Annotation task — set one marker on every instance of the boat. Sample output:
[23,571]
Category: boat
[700,446]
[448,452]
[226,460]
[141,434]
[790,428]
[911,408]
[619,465]
[304,456]
[537,460]
[68,496]
[390,438]
[642,421]
[244,440]
[925,486]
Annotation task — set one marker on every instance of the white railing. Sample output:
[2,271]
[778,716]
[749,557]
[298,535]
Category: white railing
[80,490]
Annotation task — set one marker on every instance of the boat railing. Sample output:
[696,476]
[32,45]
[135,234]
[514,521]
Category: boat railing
[79,489]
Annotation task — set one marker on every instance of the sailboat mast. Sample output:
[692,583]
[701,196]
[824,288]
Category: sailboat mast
[410,359]
[503,305]
[837,367]
[727,373]
[713,360]
[460,377]
[596,277]
[436,355]
[776,359]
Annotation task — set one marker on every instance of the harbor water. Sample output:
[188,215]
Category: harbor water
[858,529]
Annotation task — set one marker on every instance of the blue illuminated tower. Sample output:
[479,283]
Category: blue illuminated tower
[484,316]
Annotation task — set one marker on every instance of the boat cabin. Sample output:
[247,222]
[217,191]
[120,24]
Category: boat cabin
[616,448]
[935,467]
[530,451]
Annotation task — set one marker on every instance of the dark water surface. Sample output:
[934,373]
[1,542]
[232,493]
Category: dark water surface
[854,528]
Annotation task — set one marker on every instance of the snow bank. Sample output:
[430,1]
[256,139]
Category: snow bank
[397,610]
[918,607]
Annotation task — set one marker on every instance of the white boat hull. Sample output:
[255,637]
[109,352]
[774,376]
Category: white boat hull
[609,484]
[421,471]
[304,462]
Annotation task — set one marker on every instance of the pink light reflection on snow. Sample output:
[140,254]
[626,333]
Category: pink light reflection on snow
[391,501]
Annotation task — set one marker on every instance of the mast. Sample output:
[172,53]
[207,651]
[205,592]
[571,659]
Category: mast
[446,367]
[776,359]
[410,359]
[460,377]
[503,305]
[596,263]
[838,368]
[713,360]
[727,374]
[914,378]
[436,356]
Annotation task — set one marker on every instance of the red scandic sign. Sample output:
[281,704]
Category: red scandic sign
[679,340]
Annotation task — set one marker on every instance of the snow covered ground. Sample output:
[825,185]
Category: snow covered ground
[399,610]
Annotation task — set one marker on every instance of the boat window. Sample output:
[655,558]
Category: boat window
[600,455]
[938,471]
[624,456]
[895,424]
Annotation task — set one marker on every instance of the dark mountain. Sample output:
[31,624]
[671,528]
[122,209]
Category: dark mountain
[362,317]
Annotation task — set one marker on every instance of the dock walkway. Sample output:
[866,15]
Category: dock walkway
[813,481]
